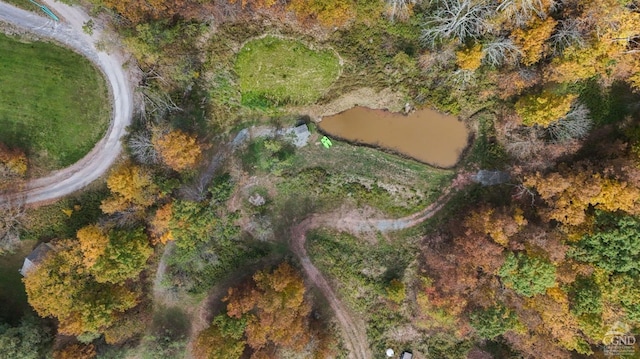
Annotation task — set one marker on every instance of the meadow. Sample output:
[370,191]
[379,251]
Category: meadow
[54,103]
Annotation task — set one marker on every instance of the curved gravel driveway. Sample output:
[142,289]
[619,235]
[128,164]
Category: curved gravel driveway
[69,32]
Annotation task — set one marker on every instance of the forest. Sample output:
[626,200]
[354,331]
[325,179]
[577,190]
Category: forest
[189,245]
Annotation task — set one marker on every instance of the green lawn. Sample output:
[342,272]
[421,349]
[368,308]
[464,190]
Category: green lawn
[53,102]
[284,71]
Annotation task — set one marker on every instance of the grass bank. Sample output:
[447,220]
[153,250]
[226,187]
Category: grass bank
[284,71]
[53,102]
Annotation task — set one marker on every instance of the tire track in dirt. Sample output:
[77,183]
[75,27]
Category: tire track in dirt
[353,330]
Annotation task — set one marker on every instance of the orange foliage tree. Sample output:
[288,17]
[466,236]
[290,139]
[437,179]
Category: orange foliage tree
[276,310]
[271,312]
[160,229]
[178,150]
[327,12]
[76,351]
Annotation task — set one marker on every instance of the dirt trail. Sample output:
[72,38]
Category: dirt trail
[353,329]
[69,33]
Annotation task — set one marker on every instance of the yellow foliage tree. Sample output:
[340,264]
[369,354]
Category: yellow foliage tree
[62,287]
[469,58]
[93,243]
[610,52]
[532,40]
[177,149]
[543,109]
[570,191]
[131,187]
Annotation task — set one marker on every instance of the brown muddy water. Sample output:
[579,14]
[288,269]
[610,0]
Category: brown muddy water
[425,135]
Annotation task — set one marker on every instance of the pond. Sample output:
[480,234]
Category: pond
[425,135]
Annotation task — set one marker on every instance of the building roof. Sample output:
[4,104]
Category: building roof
[35,257]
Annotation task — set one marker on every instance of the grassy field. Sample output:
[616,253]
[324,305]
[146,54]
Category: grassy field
[53,102]
[283,71]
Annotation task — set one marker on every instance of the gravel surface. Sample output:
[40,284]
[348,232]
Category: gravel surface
[69,33]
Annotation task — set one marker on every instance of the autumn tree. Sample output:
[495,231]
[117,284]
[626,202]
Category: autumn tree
[178,150]
[93,243]
[13,165]
[544,108]
[124,257]
[132,188]
[62,287]
[138,11]
[160,223]
[275,309]
[327,12]
[527,275]
[532,41]
[76,351]
[570,191]
[470,57]
[223,339]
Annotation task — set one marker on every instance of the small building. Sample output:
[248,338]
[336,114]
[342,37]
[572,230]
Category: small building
[406,355]
[35,258]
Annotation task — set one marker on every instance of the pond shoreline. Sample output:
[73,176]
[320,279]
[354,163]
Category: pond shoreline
[443,142]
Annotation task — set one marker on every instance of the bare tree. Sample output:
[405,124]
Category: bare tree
[460,19]
[521,11]
[400,9]
[142,148]
[567,34]
[500,52]
[11,215]
[576,124]
[157,103]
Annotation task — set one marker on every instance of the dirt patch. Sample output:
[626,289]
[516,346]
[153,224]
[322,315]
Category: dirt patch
[367,97]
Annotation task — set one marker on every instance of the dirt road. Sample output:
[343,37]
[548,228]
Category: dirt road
[102,156]
[353,330]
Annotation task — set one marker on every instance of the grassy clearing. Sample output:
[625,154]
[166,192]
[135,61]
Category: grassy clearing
[283,71]
[53,102]
[50,222]
[365,176]
[381,273]
[346,174]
